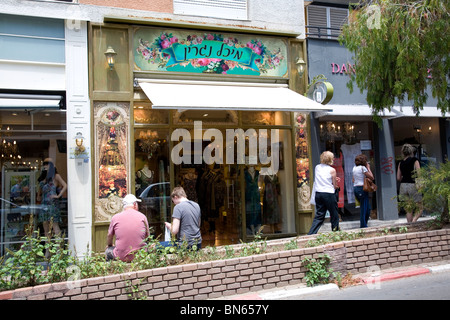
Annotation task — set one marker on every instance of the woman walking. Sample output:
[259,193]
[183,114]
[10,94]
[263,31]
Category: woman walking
[325,185]
[362,170]
[407,168]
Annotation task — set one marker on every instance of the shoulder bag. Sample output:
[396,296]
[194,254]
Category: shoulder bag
[369,185]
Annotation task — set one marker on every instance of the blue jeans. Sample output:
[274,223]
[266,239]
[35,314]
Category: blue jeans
[325,201]
[363,198]
[164,244]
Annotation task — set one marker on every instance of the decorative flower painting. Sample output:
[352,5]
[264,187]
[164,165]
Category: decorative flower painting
[203,52]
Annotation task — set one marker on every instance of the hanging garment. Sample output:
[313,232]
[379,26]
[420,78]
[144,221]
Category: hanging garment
[350,151]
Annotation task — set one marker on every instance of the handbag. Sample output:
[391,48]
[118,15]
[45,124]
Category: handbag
[369,185]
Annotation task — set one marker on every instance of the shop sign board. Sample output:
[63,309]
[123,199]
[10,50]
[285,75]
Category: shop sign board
[209,52]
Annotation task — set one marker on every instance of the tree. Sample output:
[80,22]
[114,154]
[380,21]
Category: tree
[400,49]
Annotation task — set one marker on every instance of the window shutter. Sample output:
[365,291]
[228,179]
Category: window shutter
[317,17]
[338,17]
[225,9]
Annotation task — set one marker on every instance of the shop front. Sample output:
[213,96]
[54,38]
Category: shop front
[219,113]
[38,123]
[349,130]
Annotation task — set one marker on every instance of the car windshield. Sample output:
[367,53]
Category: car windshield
[157,190]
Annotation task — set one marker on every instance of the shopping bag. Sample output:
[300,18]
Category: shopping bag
[167,235]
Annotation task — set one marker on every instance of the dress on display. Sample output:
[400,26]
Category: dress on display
[340,174]
[50,204]
[271,205]
[252,199]
[350,151]
[189,185]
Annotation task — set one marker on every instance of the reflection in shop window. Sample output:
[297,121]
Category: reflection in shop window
[152,179]
[145,115]
[22,166]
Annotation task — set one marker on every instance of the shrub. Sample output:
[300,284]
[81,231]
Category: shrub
[433,182]
[317,270]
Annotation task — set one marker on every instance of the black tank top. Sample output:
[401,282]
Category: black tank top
[407,169]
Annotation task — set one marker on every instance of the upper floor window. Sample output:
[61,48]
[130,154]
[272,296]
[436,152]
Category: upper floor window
[224,9]
[325,22]
[32,39]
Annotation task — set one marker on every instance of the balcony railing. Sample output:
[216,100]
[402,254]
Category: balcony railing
[322,32]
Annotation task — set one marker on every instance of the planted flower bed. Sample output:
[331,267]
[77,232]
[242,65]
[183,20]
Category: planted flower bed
[243,268]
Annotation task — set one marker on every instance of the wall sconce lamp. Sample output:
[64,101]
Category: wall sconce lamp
[110,57]
[301,64]
[79,139]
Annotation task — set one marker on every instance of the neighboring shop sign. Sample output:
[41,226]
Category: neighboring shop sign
[209,52]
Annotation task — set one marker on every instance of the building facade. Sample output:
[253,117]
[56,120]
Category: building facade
[349,129]
[141,97]
[44,104]
[158,96]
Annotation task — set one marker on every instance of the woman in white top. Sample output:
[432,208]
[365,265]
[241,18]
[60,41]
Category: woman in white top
[325,185]
[360,171]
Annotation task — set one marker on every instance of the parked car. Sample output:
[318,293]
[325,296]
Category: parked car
[156,202]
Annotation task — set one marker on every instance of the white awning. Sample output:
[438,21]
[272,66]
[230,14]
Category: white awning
[26,101]
[354,110]
[365,110]
[427,111]
[208,95]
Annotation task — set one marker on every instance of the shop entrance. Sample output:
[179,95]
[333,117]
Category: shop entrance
[216,188]
[347,139]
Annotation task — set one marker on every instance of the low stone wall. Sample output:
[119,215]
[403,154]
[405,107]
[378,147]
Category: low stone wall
[215,279]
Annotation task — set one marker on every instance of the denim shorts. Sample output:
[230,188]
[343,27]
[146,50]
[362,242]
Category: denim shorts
[409,190]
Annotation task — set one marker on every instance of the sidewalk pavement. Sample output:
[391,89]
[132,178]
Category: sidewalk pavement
[366,279]
[348,225]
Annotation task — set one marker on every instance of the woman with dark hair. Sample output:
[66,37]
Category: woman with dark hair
[51,188]
[406,172]
[360,171]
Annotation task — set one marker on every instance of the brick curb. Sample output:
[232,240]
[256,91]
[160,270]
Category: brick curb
[396,275]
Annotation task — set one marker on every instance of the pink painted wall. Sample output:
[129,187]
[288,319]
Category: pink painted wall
[165,6]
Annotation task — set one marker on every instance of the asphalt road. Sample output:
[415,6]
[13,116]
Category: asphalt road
[431,286]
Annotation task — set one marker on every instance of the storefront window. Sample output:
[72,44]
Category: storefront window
[152,179]
[266,118]
[27,139]
[145,115]
[268,206]
[422,133]
[218,184]
[207,117]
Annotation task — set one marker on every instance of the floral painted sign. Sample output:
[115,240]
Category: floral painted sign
[200,52]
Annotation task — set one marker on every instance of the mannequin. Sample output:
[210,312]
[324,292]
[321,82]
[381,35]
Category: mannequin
[189,183]
[252,200]
[271,203]
[144,178]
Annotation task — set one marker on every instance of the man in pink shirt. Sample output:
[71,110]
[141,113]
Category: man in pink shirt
[130,228]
